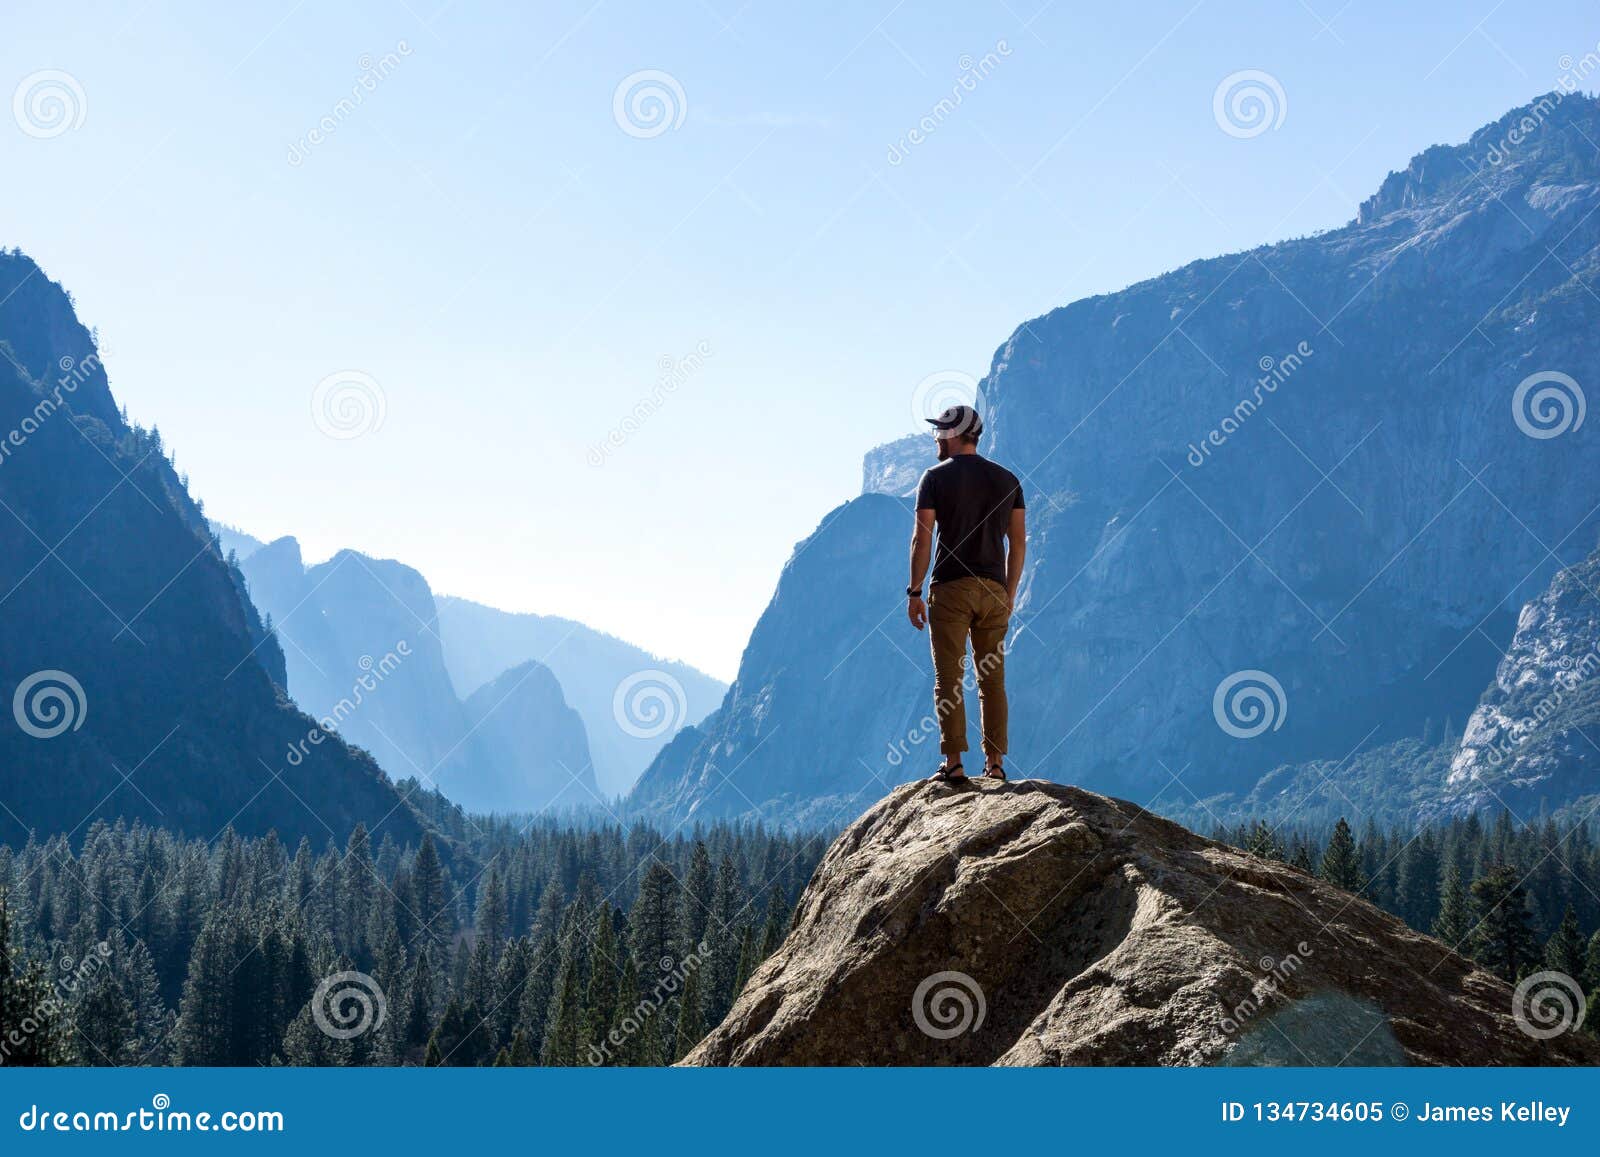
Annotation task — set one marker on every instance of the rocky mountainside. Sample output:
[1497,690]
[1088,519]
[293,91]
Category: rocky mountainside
[1316,479]
[1533,739]
[483,643]
[527,746]
[364,650]
[1532,745]
[1035,924]
[896,467]
[137,679]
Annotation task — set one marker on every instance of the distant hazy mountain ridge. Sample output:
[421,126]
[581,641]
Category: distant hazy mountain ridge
[364,652]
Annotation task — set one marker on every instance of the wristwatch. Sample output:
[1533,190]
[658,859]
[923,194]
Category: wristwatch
[913,592]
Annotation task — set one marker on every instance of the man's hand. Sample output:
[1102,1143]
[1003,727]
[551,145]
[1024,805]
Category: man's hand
[917,612]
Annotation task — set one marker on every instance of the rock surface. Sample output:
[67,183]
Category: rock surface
[896,467]
[1099,934]
[1528,744]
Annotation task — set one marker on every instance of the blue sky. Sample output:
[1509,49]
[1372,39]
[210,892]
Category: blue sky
[483,238]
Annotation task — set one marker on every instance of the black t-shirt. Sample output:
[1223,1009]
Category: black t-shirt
[972,499]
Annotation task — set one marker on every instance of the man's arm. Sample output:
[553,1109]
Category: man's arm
[1016,552]
[921,553]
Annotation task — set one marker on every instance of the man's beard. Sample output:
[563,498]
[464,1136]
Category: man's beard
[944,448]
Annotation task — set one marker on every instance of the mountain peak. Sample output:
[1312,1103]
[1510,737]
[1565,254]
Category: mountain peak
[1039,924]
[1553,134]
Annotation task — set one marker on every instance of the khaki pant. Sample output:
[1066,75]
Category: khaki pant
[956,609]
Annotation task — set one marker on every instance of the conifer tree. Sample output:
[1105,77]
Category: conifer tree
[653,923]
[427,888]
[1503,941]
[1341,861]
[520,1054]
[600,1001]
[493,918]
[106,1029]
[777,926]
[1564,951]
[1262,841]
[561,1038]
[691,1025]
[747,959]
[695,902]
[1454,923]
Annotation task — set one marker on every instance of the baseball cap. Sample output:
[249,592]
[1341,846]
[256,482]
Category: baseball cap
[956,421]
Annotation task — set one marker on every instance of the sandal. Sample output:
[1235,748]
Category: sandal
[995,771]
[947,774]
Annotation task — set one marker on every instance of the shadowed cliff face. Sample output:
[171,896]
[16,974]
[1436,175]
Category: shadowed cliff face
[1034,924]
[168,711]
[1302,461]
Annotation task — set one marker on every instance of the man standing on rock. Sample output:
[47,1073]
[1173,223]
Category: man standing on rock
[977,507]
